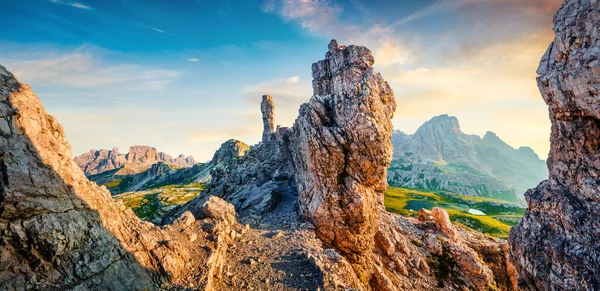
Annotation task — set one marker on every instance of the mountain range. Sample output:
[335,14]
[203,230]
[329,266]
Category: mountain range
[138,159]
[143,167]
[439,156]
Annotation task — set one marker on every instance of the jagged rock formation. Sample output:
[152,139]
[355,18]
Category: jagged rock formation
[60,231]
[556,245]
[229,150]
[332,165]
[341,150]
[439,156]
[138,159]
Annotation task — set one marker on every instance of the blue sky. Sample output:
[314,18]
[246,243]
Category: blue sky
[186,75]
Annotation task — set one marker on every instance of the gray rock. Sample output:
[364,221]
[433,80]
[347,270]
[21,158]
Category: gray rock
[555,246]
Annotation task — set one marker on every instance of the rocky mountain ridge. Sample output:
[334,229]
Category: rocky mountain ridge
[137,159]
[439,156]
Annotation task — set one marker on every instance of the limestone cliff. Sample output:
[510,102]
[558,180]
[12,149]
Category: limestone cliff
[60,231]
[556,245]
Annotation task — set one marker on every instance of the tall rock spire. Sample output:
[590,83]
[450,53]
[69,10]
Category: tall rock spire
[341,150]
[556,245]
[267,107]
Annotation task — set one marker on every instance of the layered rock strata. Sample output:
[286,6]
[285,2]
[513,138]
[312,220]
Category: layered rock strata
[60,231]
[556,245]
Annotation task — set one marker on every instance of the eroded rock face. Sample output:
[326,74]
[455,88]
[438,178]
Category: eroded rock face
[341,150]
[556,245]
[60,231]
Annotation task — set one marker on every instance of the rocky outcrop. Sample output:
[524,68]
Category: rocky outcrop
[267,108]
[332,164]
[229,151]
[60,231]
[556,245]
[138,159]
[439,156]
[341,150]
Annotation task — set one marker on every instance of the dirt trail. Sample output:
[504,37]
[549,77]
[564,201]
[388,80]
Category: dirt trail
[272,255]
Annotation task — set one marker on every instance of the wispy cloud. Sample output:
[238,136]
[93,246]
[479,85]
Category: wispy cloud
[72,4]
[157,29]
[151,28]
[84,68]
[193,60]
[431,9]
[323,17]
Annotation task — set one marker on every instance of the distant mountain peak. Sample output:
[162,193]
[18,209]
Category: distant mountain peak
[440,143]
[442,123]
[490,135]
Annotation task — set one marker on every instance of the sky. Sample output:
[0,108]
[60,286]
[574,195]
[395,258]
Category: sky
[185,76]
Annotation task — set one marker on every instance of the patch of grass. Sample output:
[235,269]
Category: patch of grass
[152,204]
[485,224]
[113,183]
[500,215]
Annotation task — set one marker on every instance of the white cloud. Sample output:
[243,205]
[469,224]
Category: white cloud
[292,80]
[157,29]
[151,28]
[322,17]
[193,60]
[82,68]
[72,4]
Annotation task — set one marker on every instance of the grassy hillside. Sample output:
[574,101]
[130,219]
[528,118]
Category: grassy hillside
[498,216]
[153,204]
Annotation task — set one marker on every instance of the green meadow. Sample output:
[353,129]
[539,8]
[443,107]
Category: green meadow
[153,204]
[497,219]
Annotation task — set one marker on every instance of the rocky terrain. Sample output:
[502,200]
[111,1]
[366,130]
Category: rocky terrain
[330,168]
[309,199]
[556,245]
[60,231]
[139,158]
[147,170]
[439,156]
